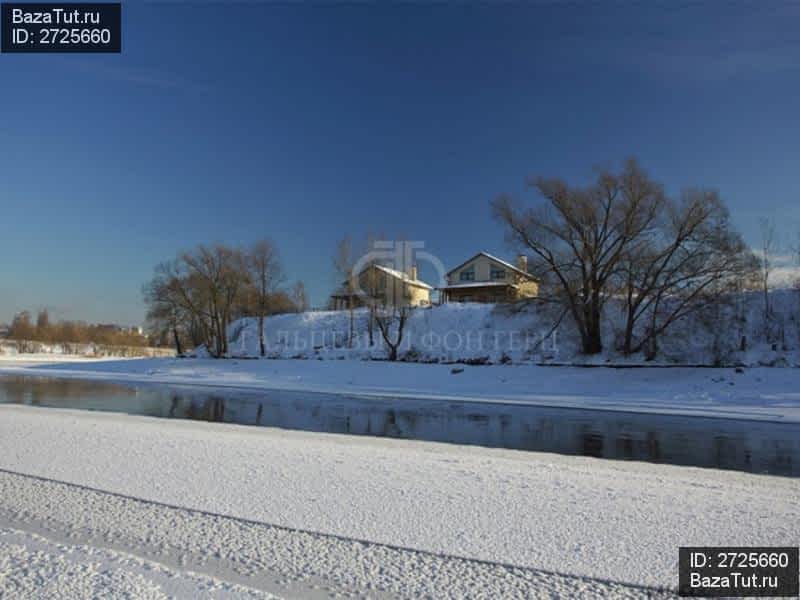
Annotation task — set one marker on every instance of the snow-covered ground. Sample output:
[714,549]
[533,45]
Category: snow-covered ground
[33,567]
[48,358]
[757,393]
[23,350]
[122,506]
[295,513]
[734,333]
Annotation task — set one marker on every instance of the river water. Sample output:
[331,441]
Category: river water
[753,446]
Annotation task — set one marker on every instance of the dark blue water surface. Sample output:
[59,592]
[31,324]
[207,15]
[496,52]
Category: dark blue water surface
[753,446]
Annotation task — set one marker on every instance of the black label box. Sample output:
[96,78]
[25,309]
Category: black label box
[27,27]
[705,571]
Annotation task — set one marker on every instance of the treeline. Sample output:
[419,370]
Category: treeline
[192,298]
[25,328]
[620,238]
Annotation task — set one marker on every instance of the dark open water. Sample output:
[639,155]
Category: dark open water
[753,446]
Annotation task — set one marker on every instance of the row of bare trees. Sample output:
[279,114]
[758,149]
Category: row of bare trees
[193,298]
[622,237]
[44,329]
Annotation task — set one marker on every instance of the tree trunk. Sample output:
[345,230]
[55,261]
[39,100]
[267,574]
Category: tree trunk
[592,344]
[592,339]
[263,350]
[371,327]
[651,350]
[177,340]
[650,343]
[627,344]
[352,325]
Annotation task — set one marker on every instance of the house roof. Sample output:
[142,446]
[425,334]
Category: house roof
[403,276]
[476,284]
[493,258]
[394,273]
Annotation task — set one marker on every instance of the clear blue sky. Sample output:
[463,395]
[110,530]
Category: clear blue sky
[229,122]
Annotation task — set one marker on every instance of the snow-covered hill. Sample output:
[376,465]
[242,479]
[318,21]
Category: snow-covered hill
[735,333]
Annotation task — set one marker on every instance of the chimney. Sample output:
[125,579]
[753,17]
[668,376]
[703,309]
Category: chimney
[522,263]
[412,272]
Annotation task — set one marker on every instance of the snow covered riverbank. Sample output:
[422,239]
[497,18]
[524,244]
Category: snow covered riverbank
[758,393]
[733,333]
[292,505]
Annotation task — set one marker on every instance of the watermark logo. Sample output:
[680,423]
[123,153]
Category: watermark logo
[399,262]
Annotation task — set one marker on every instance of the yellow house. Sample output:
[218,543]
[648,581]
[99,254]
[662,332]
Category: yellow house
[486,278]
[384,286]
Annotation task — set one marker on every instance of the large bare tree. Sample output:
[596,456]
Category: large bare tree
[578,237]
[164,308]
[622,238]
[689,261]
[205,284]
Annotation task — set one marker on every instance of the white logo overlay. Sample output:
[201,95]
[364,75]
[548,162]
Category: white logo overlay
[404,257]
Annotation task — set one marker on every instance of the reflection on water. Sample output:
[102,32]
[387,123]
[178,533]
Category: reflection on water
[755,446]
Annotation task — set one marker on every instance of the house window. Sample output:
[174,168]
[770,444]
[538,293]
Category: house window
[498,273]
[467,275]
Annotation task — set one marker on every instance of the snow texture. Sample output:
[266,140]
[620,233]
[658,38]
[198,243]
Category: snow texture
[408,518]
[294,563]
[33,567]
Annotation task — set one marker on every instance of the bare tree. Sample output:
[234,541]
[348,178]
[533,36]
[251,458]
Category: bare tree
[43,326]
[344,262]
[22,327]
[199,293]
[265,275]
[391,321]
[796,251]
[767,227]
[299,296]
[208,282]
[682,264]
[373,283]
[621,237]
[164,309]
[280,302]
[578,237]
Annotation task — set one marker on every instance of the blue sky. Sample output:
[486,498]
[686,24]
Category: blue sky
[230,122]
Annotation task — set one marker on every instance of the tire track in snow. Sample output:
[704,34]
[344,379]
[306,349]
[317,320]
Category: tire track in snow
[279,560]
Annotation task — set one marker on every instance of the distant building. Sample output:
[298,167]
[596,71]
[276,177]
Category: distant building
[486,278]
[115,328]
[383,285]
[4,329]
